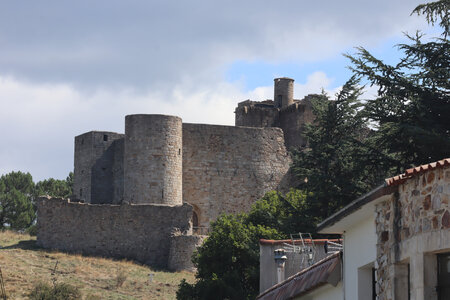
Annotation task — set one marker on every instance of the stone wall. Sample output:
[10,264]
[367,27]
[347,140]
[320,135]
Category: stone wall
[411,227]
[181,249]
[291,119]
[256,116]
[153,159]
[98,167]
[137,232]
[226,169]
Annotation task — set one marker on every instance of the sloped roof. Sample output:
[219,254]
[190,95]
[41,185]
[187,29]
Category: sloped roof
[327,270]
[399,179]
[389,186]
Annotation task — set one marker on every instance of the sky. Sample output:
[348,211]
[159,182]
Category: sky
[68,67]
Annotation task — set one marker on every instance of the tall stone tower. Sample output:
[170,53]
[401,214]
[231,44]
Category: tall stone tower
[153,159]
[283,92]
[283,111]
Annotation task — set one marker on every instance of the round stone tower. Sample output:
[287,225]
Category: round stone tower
[153,159]
[283,92]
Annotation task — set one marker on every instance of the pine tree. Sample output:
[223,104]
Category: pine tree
[412,111]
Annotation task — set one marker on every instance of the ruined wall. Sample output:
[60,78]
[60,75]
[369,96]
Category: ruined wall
[411,228]
[153,159]
[293,119]
[181,249]
[98,167]
[226,169]
[138,232]
[256,116]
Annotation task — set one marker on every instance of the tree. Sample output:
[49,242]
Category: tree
[55,187]
[338,165]
[16,207]
[228,261]
[411,112]
[285,213]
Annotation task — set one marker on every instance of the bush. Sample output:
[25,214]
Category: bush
[60,291]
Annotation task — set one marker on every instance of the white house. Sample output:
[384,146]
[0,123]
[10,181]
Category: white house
[396,241]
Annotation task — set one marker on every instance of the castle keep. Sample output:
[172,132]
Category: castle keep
[132,191]
[283,111]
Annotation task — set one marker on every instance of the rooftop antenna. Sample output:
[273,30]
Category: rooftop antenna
[303,244]
[332,247]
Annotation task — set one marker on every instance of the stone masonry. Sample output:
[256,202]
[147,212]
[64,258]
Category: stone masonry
[138,232]
[411,227]
[132,191]
[283,112]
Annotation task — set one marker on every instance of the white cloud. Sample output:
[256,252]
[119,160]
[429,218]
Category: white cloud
[150,44]
[39,122]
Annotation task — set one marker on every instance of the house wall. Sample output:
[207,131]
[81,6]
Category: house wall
[326,292]
[411,229]
[138,232]
[359,253]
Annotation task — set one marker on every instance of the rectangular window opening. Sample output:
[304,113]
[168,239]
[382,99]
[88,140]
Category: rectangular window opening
[105,137]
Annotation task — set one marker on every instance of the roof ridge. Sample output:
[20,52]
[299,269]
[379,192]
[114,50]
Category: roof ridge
[409,173]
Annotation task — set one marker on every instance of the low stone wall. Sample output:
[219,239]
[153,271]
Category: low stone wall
[137,232]
[181,250]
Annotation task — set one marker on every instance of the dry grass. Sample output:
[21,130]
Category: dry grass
[23,264]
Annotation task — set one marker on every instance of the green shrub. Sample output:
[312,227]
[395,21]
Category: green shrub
[60,291]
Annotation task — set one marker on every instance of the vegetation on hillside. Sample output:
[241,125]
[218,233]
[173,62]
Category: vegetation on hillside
[18,193]
[26,267]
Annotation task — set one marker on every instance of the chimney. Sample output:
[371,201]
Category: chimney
[283,92]
[280,259]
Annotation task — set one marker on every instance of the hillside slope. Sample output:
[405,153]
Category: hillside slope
[23,264]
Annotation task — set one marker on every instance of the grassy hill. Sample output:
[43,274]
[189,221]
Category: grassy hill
[23,264]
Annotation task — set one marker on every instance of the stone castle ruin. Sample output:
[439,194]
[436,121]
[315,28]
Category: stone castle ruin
[150,194]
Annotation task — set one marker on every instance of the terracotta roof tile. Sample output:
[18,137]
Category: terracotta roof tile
[399,179]
[305,280]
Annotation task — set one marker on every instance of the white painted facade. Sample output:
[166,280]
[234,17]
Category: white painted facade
[359,258]
[359,254]
[326,292]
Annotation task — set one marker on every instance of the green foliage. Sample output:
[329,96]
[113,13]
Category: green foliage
[228,261]
[284,213]
[55,187]
[60,291]
[18,193]
[338,164]
[16,208]
[413,104]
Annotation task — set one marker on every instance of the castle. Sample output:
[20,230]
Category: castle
[132,191]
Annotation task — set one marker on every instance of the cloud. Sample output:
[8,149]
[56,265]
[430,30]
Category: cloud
[40,121]
[155,44]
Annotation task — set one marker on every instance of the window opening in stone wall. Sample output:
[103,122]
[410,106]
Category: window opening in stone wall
[409,282]
[179,151]
[443,287]
[280,98]
[105,137]
[82,141]
[194,219]
[374,284]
